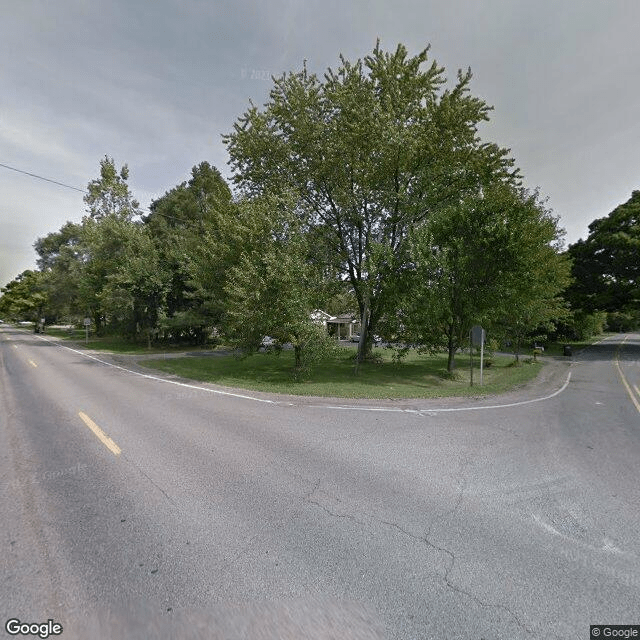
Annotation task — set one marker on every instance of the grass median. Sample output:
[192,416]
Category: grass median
[116,344]
[418,376]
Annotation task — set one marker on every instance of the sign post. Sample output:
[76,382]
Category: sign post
[478,336]
[87,323]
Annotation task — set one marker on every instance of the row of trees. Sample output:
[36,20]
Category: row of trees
[369,189]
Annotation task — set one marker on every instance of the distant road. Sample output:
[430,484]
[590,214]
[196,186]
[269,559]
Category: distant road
[137,508]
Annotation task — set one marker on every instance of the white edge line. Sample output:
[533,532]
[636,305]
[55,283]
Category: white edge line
[150,377]
[426,410]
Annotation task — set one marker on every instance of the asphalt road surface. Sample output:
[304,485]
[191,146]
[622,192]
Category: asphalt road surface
[137,507]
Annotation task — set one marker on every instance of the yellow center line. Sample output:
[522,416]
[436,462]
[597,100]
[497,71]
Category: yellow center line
[32,363]
[624,379]
[101,435]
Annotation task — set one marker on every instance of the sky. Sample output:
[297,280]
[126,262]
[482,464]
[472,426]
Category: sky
[156,84]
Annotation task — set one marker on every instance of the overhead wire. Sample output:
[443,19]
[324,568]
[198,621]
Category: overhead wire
[35,175]
[68,186]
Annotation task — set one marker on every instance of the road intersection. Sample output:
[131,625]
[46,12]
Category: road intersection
[190,504]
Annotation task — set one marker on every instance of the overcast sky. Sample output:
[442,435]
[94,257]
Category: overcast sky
[155,84]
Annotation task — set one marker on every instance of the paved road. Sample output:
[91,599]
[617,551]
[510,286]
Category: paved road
[136,508]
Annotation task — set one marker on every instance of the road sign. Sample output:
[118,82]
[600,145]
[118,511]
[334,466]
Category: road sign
[478,336]
[87,322]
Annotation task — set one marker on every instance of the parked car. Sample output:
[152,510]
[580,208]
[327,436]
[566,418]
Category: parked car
[356,338]
[267,342]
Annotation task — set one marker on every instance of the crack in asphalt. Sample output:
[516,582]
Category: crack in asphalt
[463,484]
[450,584]
[307,498]
[152,481]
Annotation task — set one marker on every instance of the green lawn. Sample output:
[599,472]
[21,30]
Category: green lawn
[555,348]
[419,376]
[117,345]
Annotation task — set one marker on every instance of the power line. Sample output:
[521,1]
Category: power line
[68,186]
[33,175]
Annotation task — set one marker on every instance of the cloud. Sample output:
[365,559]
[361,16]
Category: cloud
[155,84]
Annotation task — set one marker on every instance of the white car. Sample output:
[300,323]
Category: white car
[267,342]
[376,339]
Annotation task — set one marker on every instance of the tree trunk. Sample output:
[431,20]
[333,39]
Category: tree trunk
[97,319]
[451,346]
[298,355]
[363,351]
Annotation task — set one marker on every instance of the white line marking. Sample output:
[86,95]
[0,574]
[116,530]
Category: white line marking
[150,377]
[607,545]
[430,410]
[419,412]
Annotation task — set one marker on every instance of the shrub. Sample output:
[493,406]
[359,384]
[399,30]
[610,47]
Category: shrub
[621,321]
[586,325]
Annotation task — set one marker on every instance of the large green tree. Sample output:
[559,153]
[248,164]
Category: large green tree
[106,230]
[24,298]
[134,295]
[275,284]
[371,151]
[606,266]
[59,260]
[193,227]
[490,259]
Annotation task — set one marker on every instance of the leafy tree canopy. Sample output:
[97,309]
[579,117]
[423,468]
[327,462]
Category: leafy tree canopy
[490,259]
[371,150]
[24,298]
[109,194]
[606,266]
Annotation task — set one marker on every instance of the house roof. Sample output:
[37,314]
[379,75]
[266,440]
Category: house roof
[344,318]
[318,314]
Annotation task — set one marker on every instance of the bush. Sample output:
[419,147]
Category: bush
[313,345]
[621,321]
[586,325]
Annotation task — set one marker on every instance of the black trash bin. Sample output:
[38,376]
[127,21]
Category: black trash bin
[566,350]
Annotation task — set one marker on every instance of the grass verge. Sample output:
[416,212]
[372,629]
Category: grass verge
[115,344]
[555,348]
[418,376]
